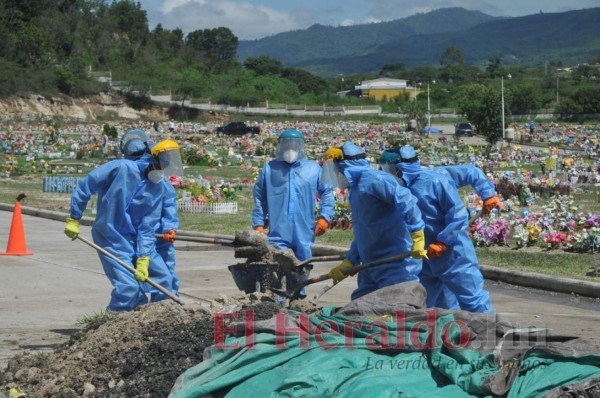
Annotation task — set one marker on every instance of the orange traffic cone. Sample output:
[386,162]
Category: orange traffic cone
[17,246]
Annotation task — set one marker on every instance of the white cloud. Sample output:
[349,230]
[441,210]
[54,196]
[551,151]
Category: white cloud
[347,22]
[244,19]
[169,5]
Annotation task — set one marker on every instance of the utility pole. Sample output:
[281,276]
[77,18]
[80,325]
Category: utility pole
[502,90]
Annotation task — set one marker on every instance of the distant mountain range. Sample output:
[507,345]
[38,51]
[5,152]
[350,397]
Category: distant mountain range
[419,40]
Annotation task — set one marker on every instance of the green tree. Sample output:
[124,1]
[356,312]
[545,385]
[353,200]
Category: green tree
[482,106]
[568,108]
[422,74]
[189,83]
[583,72]
[494,68]
[165,44]
[392,70]
[264,65]
[525,98]
[453,64]
[306,82]
[216,47]
[589,99]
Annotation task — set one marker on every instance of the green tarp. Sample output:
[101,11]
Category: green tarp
[407,352]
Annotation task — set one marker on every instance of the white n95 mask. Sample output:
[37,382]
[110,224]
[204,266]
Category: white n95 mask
[290,156]
[155,176]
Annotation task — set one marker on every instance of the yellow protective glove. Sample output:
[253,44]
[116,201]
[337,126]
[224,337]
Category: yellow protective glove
[490,203]
[169,236]
[260,229]
[418,247]
[141,268]
[322,226]
[341,271]
[436,249]
[72,228]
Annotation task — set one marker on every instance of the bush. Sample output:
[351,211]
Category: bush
[138,102]
[110,131]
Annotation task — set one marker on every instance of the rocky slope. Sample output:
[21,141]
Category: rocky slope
[104,106]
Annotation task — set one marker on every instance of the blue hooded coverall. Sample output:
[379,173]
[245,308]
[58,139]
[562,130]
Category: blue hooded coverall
[122,226]
[384,214]
[162,253]
[169,220]
[446,221]
[285,196]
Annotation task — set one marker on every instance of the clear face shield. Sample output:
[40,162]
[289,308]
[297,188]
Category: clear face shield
[331,175]
[388,168]
[170,163]
[290,149]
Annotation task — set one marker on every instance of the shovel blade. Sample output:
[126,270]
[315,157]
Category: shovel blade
[280,292]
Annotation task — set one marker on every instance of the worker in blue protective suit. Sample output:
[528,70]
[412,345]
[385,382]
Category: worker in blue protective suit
[452,265]
[124,225]
[285,198]
[169,223]
[152,193]
[139,150]
[385,217]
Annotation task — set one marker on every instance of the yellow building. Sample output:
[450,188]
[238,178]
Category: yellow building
[386,88]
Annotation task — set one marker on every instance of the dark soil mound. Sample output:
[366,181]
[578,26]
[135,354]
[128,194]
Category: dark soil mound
[131,354]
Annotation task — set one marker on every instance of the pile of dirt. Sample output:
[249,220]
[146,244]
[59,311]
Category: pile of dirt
[255,248]
[130,354]
[264,265]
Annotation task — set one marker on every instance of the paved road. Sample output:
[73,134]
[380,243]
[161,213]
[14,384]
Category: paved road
[44,295]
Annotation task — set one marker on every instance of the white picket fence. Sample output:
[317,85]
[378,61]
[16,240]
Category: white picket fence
[59,184]
[211,208]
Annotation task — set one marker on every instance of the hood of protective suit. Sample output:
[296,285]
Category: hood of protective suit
[144,161]
[409,165]
[408,171]
[352,168]
[133,149]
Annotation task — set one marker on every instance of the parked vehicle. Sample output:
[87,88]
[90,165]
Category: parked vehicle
[237,128]
[464,129]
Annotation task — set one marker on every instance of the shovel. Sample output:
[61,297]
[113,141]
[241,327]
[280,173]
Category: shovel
[318,259]
[327,288]
[296,293]
[247,244]
[130,269]
[198,239]
[480,213]
[476,216]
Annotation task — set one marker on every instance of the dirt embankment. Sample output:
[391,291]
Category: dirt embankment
[104,106]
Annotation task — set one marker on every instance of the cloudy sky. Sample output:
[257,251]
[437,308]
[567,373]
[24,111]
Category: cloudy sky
[254,19]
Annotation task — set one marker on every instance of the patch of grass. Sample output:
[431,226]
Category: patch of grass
[222,224]
[555,263]
[225,172]
[93,321]
[336,237]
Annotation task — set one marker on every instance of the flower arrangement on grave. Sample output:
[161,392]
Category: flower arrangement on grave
[342,216]
[488,233]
